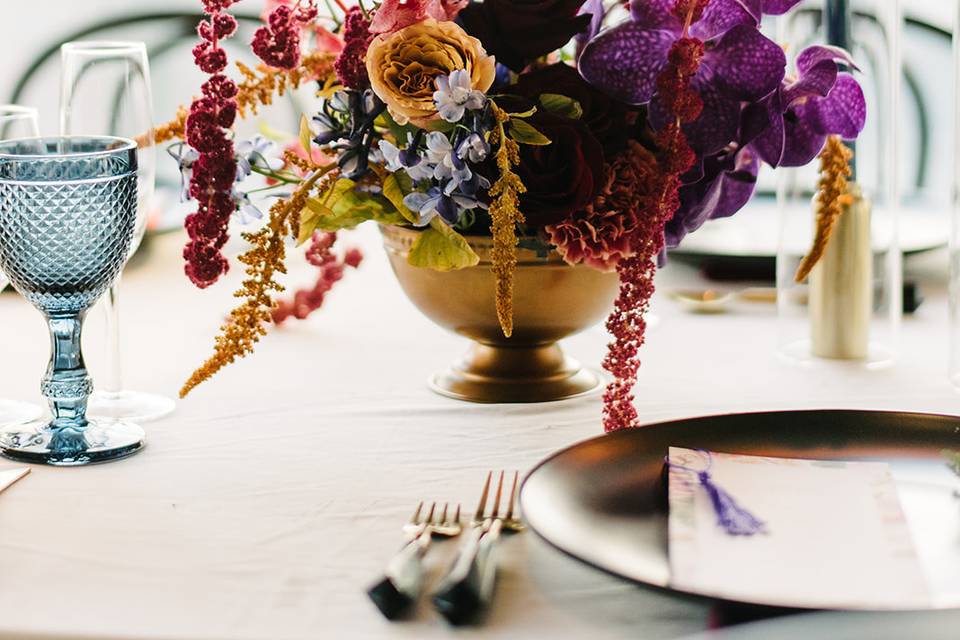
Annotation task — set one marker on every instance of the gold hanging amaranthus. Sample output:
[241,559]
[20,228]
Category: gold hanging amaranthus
[506,215]
[832,198]
[265,258]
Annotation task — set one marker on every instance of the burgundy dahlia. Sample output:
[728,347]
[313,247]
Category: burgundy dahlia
[563,176]
[518,32]
[606,118]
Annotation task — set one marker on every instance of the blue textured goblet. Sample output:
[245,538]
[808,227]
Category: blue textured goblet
[68,207]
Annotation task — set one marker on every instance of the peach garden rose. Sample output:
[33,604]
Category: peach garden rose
[404,66]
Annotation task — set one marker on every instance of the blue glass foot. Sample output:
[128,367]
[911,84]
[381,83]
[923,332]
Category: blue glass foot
[39,443]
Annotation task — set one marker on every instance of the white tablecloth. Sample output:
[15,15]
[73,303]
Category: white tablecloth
[271,499]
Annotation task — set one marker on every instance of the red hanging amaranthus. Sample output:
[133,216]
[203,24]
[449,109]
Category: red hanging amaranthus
[208,132]
[675,157]
[319,254]
[278,42]
[350,66]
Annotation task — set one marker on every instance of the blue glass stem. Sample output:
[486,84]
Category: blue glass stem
[67,384]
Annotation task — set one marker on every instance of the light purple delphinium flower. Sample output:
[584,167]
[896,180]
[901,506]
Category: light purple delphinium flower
[455,96]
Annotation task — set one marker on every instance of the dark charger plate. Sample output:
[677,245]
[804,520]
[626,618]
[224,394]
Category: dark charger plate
[603,501]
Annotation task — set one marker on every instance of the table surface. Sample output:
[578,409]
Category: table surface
[267,504]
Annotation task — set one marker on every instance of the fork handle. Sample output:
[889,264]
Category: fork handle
[468,586]
[402,580]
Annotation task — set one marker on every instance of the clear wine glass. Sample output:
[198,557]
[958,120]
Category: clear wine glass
[105,90]
[68,211]
[17,122]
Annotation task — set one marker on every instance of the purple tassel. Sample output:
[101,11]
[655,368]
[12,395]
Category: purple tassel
[734,519]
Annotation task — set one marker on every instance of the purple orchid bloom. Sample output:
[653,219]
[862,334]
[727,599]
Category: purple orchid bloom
[597,12]
[822,101]
[740,64]
[718,187]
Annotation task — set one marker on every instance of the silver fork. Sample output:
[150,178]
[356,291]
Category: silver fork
[403,578]
[468,586]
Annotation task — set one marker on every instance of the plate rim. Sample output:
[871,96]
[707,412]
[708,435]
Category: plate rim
[702,596]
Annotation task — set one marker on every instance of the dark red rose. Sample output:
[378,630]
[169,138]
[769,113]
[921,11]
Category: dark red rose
[520,31]
[563,176]
[606,117]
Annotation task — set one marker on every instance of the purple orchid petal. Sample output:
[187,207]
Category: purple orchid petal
[722,15]
[755,7]
[802,142]
[771,143]
[747,63]
[597,13]
[843,112]
[625,61]
[778,7]
[738,185]
[815,55]
[756,118]
[655,14]
[728,184]
[818,81]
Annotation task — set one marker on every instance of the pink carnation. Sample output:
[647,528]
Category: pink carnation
[600,235]
[394,15]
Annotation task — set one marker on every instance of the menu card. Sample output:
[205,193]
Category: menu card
[9,476]
[833,534]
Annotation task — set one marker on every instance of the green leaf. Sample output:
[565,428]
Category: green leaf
[524,114]
[442,249]
[398,131]
[394,190]
[306,136]
[310,217]
[524,133]
[442,126]
[355,207]
[561,105]
[322,208]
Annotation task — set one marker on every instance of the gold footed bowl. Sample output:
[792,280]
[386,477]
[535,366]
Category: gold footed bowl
[552,300]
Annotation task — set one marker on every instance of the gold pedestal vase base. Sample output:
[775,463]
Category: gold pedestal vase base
[490,373]
[552,300]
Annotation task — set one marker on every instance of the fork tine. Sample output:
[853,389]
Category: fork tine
[478,514]
[433,507]
[456,516]
[513,496]
[443,516]
[496,505]
[415,518]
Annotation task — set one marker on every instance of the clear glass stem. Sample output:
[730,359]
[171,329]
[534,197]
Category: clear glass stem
[67,384]
[113,380]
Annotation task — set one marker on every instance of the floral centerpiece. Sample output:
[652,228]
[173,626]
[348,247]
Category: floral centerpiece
[602,134]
